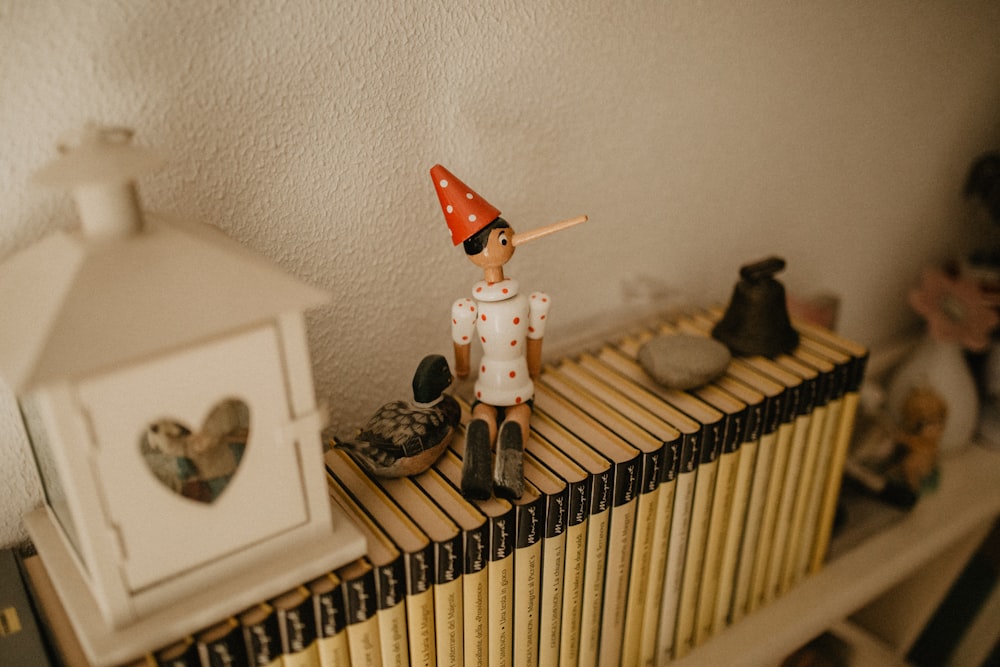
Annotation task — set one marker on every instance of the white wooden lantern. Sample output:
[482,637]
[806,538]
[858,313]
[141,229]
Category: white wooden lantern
[164,377]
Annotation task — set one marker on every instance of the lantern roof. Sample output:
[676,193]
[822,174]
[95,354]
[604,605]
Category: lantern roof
[73,306]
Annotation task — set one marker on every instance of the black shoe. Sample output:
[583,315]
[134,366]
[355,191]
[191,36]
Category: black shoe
[476,482]
[508,475]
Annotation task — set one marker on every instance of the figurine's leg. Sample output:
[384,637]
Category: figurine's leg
[488,413]
[508,474]
[479,435]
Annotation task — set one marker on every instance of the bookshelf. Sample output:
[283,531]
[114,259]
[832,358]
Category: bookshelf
[888,584]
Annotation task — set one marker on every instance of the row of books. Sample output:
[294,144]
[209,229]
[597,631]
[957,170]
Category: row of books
[652,519]
[305,627]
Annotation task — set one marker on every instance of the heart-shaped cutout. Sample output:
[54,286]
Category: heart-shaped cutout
[198,464]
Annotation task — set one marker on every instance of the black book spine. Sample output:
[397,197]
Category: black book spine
[263,639]
[330,612]
[418,570]
[224,651]
[602,490]
[824,387]
[652,469]
[857,374]
[690,452]
[297,626]
[626,486]
[840,379]
[359,599]
[754,425]
[790,407]
[502,536]
[448,560]
[579,502]
[390,581]
[477,548]
[736,431]
[557,513]
[671,464]
[711,444]
[808,396]
[530,522]
[774,412]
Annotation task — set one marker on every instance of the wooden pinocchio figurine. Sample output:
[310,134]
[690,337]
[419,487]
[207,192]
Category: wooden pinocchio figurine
[508,324]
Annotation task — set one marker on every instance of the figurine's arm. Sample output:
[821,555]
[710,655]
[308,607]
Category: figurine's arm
[462,361]
[463,322]
[534,357]
[539,311]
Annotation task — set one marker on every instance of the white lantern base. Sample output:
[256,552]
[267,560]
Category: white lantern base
[105,646]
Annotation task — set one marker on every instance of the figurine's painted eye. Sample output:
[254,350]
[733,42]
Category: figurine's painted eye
[503,238]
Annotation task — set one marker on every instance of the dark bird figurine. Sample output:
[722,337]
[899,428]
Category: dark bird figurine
[403,439]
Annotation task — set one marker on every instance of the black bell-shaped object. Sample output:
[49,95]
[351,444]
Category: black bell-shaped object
[756,321]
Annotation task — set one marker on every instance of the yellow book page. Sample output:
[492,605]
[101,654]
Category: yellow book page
[738,517]
[754,522]
[527,582]
[448,622]
[573,587]
[392,633]
[620,536]
[832,487]
[722,505]
[680,525]
[550,618]
[639,575]
[308,657]
[765,541]
[807,480]
[501,575]
[420,623]
[789,490]
[334,651]
[816,490]
[475,612]
[701,515]
[593,588]
[363,640]
[657,571]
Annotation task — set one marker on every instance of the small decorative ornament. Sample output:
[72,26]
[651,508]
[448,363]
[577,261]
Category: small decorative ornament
[404,438]
[956,310]
[682,361]
[756,321]
[923,416]
[509,324]
[958,317]
[163,374]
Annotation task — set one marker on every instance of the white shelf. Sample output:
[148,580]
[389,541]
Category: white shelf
[865,650]
[967,501]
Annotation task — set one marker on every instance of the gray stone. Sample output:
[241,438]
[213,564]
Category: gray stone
[682,361]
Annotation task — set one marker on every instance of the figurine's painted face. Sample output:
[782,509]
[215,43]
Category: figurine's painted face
[498,250]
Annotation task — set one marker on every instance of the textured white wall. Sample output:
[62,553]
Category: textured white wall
[696,135]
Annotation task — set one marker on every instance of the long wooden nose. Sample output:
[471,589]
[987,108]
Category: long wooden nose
[524,237]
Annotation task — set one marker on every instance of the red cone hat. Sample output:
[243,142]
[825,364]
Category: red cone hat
[464,210]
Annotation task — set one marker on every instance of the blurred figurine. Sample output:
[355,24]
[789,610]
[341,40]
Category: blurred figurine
[899,463]
[510,327]
[404,439]
[921,423]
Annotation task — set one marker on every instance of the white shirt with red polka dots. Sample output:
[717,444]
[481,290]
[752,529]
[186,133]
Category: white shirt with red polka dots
[502,319]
